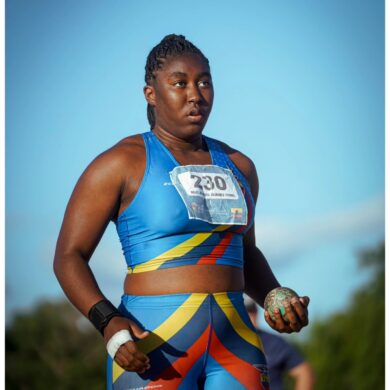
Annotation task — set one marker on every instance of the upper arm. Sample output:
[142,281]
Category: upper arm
[93,203]
[253,180]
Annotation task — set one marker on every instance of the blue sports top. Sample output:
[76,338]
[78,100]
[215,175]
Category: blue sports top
[157,230]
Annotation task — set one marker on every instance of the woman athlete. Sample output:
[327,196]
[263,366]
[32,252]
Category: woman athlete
[183,205]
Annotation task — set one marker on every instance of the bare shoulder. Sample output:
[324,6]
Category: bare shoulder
[126,150]
[109,172]
[125,154]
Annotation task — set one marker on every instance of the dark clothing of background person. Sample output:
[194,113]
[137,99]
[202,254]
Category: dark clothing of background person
[281,357]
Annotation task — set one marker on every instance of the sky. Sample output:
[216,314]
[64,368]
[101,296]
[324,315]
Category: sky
[299,88]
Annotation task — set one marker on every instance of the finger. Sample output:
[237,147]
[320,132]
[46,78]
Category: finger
[138,331]
[130,351]
[268,319]
[130,346]
[293,321]
[118,358]
[139,366]
[129,363]
[279,322]
[144,334]
[301,312]
[142,357]
[123,360]
[304,300]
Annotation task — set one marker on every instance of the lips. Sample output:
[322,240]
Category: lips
[194,111]
[196,115]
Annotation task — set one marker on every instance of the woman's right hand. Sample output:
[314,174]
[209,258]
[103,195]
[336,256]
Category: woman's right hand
[128,356]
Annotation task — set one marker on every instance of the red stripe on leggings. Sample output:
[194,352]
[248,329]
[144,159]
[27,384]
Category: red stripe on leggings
[171,377]
[243,371]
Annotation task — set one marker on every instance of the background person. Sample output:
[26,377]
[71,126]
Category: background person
[281,356]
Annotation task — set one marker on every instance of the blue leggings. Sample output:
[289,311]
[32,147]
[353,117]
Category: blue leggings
[197,341]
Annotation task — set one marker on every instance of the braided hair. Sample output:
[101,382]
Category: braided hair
[171,45]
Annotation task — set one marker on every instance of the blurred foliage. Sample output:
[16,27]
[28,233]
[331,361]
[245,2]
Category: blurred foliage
[347,350]
[54,347]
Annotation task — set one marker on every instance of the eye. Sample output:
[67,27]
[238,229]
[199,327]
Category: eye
[205,83]
[179,83]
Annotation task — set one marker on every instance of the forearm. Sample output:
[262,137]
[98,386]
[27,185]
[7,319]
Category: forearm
[259,278]
[77,281]
[304,384]
[304,377]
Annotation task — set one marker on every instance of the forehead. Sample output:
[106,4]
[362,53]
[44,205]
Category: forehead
[188,63]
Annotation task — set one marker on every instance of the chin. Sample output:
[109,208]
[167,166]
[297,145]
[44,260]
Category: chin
[192,131]
[188,132]
[194,128]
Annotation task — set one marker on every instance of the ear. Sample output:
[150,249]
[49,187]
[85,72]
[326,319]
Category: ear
[150,95]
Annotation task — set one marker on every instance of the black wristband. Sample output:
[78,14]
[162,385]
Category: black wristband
[101,313]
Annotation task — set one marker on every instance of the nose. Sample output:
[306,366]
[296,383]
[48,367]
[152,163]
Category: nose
[194,94]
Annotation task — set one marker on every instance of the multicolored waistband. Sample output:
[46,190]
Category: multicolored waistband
[225,298]
[215,247]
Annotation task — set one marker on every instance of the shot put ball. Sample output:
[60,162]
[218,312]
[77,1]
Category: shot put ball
[275,299]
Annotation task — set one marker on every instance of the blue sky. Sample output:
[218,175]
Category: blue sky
[299,88]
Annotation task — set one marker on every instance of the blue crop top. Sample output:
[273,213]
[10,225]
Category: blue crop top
[156,230]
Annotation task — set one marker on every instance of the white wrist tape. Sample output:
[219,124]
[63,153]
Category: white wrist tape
[118,339]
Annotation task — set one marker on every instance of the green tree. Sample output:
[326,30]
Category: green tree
[348,349]
[53,347]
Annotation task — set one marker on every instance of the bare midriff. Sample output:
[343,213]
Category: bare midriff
[185,279]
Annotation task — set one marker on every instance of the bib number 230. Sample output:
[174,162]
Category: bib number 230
[208,182]
[210,193]
[208,185]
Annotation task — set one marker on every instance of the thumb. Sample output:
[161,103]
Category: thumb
[137,331]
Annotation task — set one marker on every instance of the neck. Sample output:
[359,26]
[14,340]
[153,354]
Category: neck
[176,143]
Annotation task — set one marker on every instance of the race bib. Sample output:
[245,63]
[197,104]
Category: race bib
[210,193]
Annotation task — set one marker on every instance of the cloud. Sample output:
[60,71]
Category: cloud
[281,241]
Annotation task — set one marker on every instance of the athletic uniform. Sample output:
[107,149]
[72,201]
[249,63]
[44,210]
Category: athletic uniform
[183,215]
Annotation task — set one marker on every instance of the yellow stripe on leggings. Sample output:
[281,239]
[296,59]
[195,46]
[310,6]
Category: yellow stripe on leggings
[177,251]
[173,324]
[237,323]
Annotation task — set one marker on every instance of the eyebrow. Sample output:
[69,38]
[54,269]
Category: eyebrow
[181,74]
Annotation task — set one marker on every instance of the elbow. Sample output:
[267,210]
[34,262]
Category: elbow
[65,261]
[58,265]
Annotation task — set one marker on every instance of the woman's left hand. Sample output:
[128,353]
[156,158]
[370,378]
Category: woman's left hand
[296,315]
